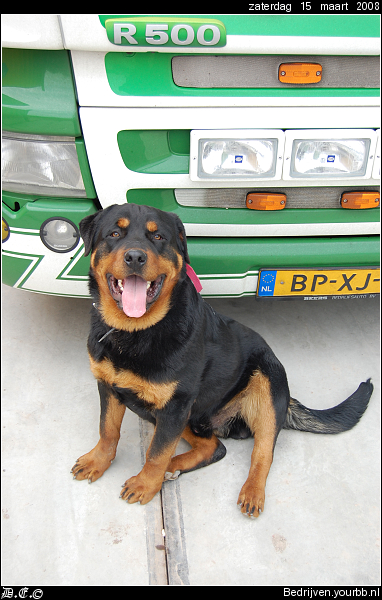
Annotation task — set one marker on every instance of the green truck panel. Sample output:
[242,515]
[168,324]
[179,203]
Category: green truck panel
[38,93]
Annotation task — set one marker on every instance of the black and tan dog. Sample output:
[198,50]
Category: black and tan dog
[156,347]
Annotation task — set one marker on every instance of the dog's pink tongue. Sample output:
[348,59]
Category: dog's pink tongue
[134,296]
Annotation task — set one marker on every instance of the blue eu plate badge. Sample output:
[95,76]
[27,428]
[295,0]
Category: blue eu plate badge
[267,282]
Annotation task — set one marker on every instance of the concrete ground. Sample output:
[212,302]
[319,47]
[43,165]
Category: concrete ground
[321,520]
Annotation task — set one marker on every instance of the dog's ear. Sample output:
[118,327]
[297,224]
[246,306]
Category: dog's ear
[181,238]
[88,228]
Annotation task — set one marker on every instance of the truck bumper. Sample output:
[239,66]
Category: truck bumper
[225,266]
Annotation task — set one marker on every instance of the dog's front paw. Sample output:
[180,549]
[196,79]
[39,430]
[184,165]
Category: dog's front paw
[251,499]
[91,466]
[139,489]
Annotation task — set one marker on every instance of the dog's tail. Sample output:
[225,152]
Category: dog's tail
[333,420]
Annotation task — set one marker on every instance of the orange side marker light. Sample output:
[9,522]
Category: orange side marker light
[359,200]
[300,73]
[264,201]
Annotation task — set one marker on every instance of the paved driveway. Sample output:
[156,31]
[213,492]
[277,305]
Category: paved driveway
[321,519]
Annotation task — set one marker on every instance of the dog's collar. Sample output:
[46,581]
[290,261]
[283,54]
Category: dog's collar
[109,332]
[194,278]
[106,334]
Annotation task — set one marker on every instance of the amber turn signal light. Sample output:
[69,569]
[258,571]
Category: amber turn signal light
[360,200]
[300,73]
[262,201]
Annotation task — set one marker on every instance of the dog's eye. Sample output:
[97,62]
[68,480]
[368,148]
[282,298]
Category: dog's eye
[115,234]
[157,236]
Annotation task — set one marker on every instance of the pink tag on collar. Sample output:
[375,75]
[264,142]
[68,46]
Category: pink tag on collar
[194,278]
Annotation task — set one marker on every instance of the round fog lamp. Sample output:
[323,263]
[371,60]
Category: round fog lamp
[59,235]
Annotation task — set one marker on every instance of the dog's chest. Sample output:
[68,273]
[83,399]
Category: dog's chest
[154,393]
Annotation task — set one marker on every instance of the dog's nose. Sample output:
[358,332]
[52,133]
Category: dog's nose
[135,258]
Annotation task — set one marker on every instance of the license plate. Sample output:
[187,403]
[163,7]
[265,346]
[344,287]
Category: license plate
[318,283]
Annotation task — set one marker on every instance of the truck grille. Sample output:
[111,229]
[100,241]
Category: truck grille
[253,71]
[302,197]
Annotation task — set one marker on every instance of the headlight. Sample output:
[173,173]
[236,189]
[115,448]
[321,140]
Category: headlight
[43,165]
[324,154]
[236,154]
[59,234]
[319,157]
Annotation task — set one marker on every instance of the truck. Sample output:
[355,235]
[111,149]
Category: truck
[261,132]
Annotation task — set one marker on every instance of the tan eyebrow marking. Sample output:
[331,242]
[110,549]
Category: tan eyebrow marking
[152,226]
[123,222]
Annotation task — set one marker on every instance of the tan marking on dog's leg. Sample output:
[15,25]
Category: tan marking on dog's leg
[93,464]
[201,453]
[258,412]
[143,487]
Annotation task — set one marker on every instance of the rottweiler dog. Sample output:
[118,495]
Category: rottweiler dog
[158,348]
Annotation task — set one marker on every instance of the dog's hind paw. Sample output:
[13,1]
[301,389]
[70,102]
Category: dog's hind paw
[168,476]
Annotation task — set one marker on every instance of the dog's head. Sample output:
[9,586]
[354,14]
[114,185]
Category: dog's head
[138,255]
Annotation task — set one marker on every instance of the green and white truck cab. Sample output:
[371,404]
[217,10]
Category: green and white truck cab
[260,131]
